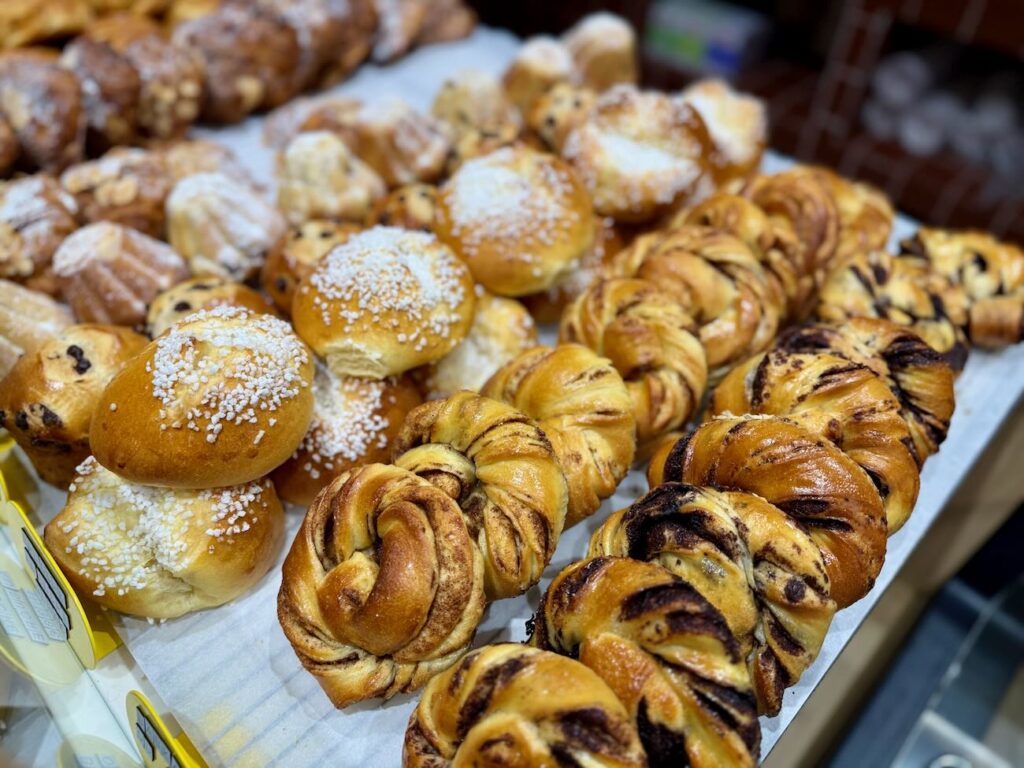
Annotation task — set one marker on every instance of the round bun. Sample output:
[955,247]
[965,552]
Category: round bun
[738,125]
[384,301]
[48,398]
[36,214]
[354,422]
[197,293]
[27,320]
[160,552]
[520,219]
[220,399]
[540,63]
[295,256]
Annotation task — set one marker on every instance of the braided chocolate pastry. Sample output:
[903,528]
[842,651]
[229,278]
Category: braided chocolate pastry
[842,401]
[804,475]
[666,652]
[583,406]
[511,705]
[717,278]
[500,468]
[865,214]
[990,273]
[651,340]
[749,559]
[383,585]
[878,284]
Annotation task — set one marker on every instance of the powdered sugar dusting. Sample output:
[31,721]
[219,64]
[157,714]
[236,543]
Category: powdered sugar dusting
[105,241]
[736,122]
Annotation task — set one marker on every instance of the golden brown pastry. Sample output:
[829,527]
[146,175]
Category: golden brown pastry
[652,342]
[402,145]
[198,293]
[24,22]
[320,178]
[35,217]
[446,20]
[162,552]
[384,301]
[865,214]
[473,100]
[738,125]
[295,256]
[399,23]
[181,11]
[125,186]
[666,652]
[519,218]
[501,329]
[220,226]
[540,63]
[27,320]
[508,704]
[747,558]
[413,206]
[717,279]
[558,112]
[353,49]
[878,284]
[109,273]
[603,50]
[639,153]
[48,398]
[187,158]
[842,401]
[500,468]
[383,586]
[583,406]
[802,474]
[354,422]
[319,113]
[42,103]
[222,398]
[478,142]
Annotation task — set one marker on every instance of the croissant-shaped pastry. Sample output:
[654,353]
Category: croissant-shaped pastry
[652,342]
[843,401]
[508,704]
[918,375]
[583,406]
[749,559]
[500,467]
[666,652]
[383,585]
[719,281]
[804,475]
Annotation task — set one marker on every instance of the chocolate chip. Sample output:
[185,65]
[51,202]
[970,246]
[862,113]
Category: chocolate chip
[182,306]
[78,355]
[21,420]
[50,419]
[325,233]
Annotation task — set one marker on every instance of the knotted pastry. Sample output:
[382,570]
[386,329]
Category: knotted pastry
[220,226]
[719,281]
[221,398]
[48,398]
[383,586]
[878,284]
[110,274]
[27,320]
[666,652]
[354,422]
[540,63]
[843,401]
[749,559]
[603,50]
[384,301]
[652,342]
[639,153]
[198,293]
[500,468]
[413,206]
[558,112]
[35,217]
[804,475]
[162,552]
[584,408]
[508,704]
[737,123]
[919,377]
[990,273]
[865,214]
[321,179]
[474,101]
[295,256]
[519,218]
[402,145]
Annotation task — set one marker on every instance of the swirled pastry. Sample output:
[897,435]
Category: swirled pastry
[738,125]
[294,257]
[540,63]
[746,557]
[558,112]
[639,153]
[507,704]
[865,214]
[583,406]
[519,218]
[802,474]
[35,217]
[666,652]
[413,206]
[500,468]
[383,586]
[162,552]
[198,293]
[27,320]
[603,50]
[384,301]
[652,342]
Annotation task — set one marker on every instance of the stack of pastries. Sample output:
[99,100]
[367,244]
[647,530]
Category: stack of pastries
[184,355]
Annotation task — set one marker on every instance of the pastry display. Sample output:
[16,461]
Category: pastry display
[410,207]
[198,293]
[384,301]
[295,256]
[738,125]
[28,319]
[603,50]
[228,388]
[542,62]
[109,273]
[48,397]
[36,214]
